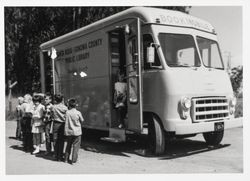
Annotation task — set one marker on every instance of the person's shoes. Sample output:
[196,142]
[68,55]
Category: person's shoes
[66,160]
[37,150]
[47,153]
[56,159]
[73,162]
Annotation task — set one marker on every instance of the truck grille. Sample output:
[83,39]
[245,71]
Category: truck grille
[209,109]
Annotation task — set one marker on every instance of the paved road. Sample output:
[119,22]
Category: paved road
[182,156]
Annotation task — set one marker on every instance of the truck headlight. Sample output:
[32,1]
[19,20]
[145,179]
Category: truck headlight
[186,103]
[185,106]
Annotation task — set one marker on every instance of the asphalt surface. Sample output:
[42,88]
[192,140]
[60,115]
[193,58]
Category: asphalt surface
[190,155]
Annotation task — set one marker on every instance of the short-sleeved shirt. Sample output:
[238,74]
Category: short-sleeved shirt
[58,112]
[37,119]
[120,94]
[120,87]
[26,109]
[73,123]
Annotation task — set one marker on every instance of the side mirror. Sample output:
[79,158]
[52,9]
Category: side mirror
[53,53]
[150,54]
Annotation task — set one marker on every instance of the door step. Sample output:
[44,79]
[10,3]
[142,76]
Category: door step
[115,135]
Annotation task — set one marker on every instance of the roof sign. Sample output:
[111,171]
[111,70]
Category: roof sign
[185,21]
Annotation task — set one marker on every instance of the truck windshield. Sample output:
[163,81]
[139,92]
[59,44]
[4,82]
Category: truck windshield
[179,50]
[210,54]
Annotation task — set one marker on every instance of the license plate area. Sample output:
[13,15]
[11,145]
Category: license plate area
[219,126]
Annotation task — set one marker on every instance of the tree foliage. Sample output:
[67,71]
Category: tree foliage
[236,77]
[27,27]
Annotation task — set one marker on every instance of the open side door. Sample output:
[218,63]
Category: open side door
[134,80]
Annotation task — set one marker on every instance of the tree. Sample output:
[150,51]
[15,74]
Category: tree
[236,77]
[25,30]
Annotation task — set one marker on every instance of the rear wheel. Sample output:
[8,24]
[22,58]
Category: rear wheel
[156,136]
[213,138]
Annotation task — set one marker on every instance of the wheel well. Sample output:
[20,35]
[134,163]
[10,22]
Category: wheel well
[147,116]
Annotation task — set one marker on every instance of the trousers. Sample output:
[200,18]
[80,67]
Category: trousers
[73,142]
[48,137]
[58,139]
[18,129]
[27,135]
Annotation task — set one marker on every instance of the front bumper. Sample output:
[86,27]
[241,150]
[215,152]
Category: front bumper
[182,129]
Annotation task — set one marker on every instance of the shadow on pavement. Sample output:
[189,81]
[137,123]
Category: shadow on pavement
[186,147]
[91,142]
[104,147]
[17,147]
[131,146]
[174,149]
[138,146]
[13,138]
[42,154]
[182,148]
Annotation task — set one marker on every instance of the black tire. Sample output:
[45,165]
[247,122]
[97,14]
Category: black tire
[213,138]
[156,137]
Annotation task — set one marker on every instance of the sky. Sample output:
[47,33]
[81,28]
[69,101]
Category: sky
[227,21]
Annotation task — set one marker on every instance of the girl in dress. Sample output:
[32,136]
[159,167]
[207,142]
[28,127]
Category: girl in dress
[37,123]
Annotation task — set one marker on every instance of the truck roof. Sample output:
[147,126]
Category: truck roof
[147,16]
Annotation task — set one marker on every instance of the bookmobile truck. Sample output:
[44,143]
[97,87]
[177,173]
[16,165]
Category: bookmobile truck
[177,85]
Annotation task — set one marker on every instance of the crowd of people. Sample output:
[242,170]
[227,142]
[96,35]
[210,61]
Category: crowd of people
[41,120]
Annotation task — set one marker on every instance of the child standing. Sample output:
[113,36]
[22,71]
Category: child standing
[26,111]
[120,99]
[58,112]
[47,120]
[73,131]
[19,118]
[37,123]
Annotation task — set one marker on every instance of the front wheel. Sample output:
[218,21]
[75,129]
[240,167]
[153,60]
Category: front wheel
[213,138]
[156,136]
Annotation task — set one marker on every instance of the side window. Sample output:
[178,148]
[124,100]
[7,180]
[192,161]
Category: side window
[114,48]
[132,70]
[147,40]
